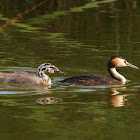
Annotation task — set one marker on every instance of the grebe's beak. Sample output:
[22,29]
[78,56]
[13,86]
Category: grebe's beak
[131,66]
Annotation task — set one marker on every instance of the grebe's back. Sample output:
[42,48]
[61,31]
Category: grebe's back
[91,79]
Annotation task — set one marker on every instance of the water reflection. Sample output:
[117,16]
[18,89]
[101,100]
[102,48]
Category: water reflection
[22,90]
[48,100]
[54,5]
[20,15]
[117,100]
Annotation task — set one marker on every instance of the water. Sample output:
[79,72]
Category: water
[78,37]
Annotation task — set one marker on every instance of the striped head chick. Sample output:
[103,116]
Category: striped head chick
[47,67]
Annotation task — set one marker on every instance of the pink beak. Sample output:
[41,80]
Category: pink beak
[131,66]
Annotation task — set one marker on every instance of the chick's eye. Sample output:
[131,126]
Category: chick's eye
[125,61]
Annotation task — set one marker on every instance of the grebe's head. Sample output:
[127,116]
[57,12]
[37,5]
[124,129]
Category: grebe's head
[49,68]
[118,61]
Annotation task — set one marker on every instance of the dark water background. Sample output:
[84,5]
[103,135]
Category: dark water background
[78,37]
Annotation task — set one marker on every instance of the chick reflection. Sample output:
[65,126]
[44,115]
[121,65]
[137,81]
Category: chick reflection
[48,100]
[117,100]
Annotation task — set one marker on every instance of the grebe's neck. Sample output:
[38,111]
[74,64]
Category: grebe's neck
[41,74]
[114,74]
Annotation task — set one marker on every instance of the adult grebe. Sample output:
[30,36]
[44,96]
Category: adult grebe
[21,77]
[97,79]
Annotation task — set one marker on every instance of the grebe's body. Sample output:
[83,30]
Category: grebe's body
[97,79]
[91,79]
[21,77]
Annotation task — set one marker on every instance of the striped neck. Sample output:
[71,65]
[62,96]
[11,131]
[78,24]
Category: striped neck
[41,71]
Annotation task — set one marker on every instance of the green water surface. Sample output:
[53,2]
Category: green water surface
[78,37]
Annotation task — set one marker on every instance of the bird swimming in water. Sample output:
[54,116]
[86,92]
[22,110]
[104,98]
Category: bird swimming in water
[97,79]
[21,77]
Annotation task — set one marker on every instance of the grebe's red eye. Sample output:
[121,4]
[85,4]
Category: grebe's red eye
[125,61]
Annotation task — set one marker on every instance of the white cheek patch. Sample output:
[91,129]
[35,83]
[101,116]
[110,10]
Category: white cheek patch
[122,63]
[51,70]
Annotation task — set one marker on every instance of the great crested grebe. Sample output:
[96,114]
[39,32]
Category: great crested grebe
[97,79]
[21,77]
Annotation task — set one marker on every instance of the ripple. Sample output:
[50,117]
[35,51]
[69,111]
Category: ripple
[14,92]
[28,69]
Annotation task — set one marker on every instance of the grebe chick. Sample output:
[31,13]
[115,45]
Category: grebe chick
[21,77]
[97,79]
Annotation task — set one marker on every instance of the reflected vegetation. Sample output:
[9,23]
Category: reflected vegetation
[48,16]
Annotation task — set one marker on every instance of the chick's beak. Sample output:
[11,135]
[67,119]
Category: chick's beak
[56,70]
[61,72]
[131,66]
